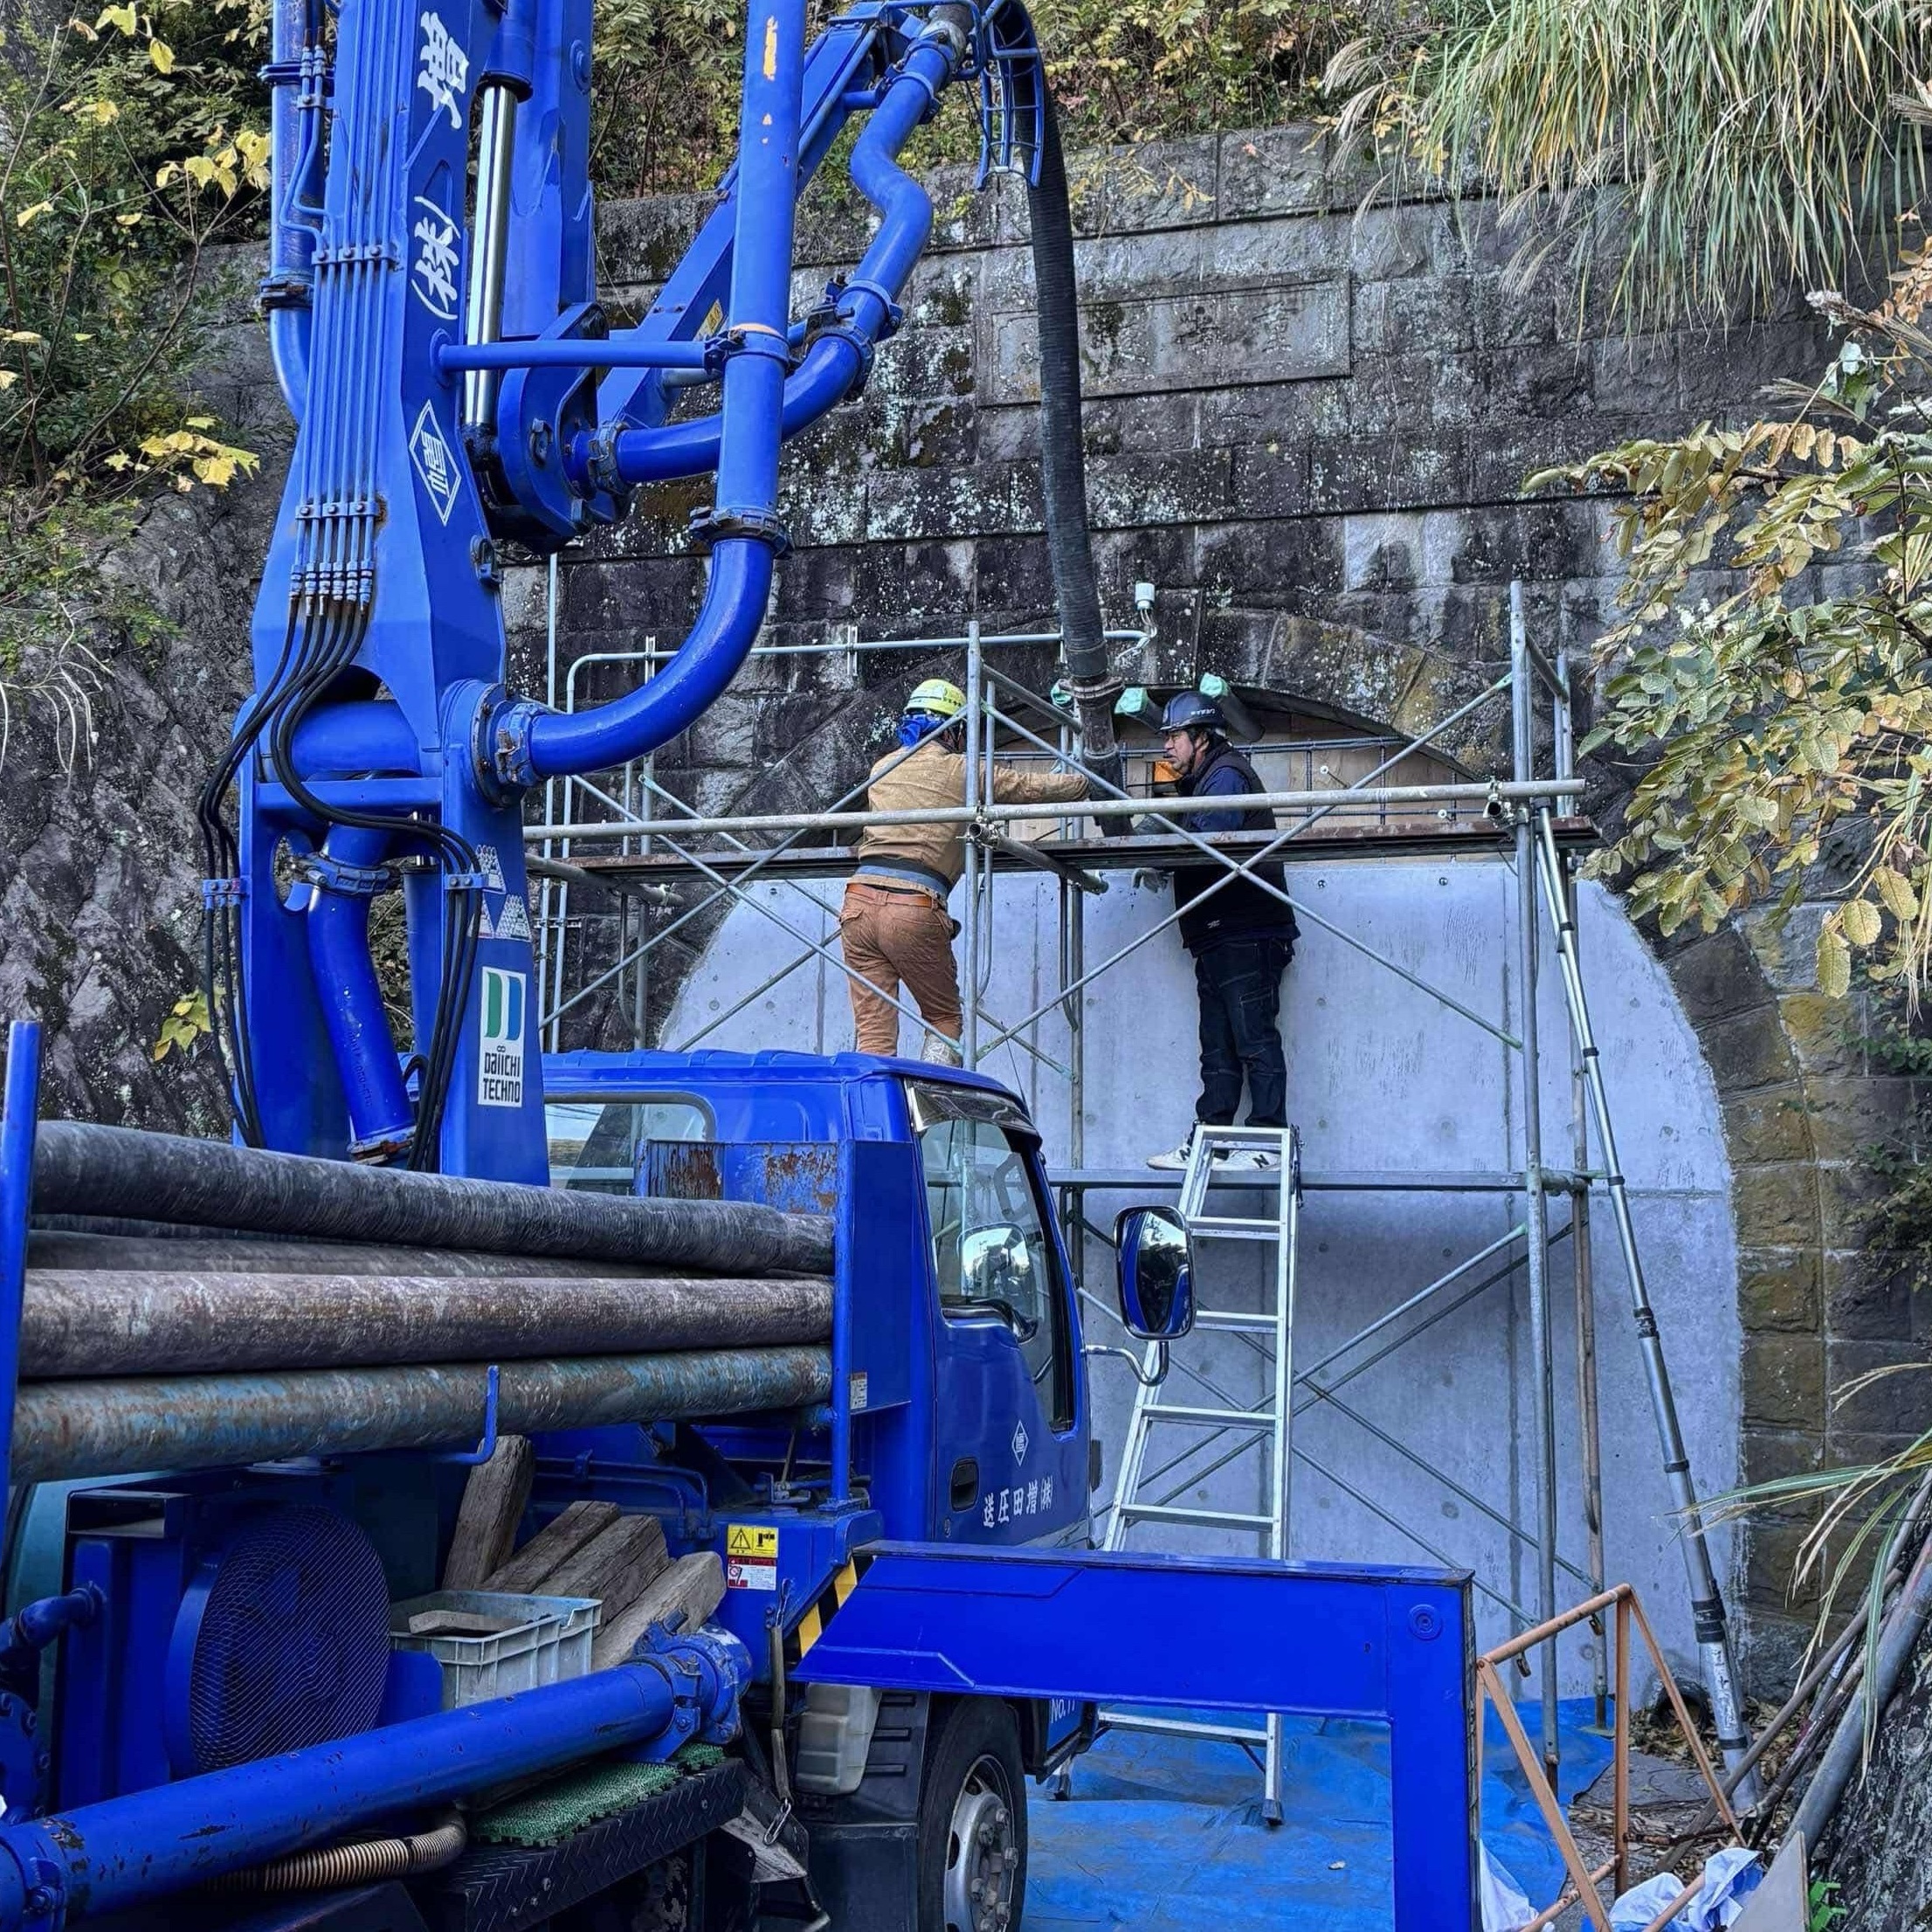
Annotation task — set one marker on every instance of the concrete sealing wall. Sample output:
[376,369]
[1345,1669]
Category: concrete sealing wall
[1381,1077]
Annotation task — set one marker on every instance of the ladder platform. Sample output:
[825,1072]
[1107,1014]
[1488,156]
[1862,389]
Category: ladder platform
[1202,1519]
[1210,1418]
[1182,1727]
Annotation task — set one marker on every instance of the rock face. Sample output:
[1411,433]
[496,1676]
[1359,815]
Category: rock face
[1878,1848]
[99,867]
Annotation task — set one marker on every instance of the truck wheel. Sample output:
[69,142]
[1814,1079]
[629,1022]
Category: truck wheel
[972,1823]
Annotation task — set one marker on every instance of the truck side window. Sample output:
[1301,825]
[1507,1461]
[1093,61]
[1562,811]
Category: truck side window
[596,1145]
[991,1250]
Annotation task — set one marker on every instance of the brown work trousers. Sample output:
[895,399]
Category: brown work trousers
[892,934]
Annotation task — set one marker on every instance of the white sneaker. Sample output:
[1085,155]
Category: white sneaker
[1174,1161]
[941,1051]
[1252,1158]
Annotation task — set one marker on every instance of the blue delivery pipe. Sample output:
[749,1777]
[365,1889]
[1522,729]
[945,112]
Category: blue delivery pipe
[115,1855]
[834,363]
[742,526]
[345,876]
[761,406]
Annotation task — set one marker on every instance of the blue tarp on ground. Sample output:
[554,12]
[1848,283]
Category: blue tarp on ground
[1164,1834]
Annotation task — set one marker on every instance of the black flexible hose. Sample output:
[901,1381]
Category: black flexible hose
[1063,464]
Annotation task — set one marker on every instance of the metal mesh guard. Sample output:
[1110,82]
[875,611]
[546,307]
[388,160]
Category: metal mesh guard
[293,1641]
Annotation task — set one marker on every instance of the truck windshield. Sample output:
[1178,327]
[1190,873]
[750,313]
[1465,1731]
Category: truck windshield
[595,1146]
[991,1253]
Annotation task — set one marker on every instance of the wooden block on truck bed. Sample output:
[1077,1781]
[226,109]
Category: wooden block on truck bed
[493,1500]
[555,1543]
[615,1566]
[694,1585]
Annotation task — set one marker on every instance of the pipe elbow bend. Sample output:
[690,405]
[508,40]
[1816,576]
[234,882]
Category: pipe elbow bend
[532,742]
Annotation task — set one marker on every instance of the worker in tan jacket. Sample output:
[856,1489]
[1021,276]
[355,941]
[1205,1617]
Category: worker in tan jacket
[895,926]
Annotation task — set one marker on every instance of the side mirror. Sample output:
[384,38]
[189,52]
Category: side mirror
[1156,1264]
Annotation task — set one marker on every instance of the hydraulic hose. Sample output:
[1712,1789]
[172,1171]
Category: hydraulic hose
[296,155]
[1063,465]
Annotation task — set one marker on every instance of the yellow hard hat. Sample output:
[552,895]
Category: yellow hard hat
[937,699]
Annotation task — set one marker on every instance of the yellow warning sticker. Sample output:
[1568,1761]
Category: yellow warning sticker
[751,1556]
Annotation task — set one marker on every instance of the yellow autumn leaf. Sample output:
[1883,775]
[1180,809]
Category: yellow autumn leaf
[27,216]
[122,17]
[1895,889]
[25,337]
[1834,963]
[200,422]
[99,112]
[162,56]
[1860,921]
[8,378]
[129,221]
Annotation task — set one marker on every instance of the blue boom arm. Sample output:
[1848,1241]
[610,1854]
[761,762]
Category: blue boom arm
[456,385]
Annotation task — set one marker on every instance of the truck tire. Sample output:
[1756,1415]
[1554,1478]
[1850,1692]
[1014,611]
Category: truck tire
[972,1822]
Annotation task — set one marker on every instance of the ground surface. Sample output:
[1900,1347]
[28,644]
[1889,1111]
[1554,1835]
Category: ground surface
[1164,1834]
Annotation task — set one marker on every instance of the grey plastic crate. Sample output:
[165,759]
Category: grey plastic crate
[540,1641]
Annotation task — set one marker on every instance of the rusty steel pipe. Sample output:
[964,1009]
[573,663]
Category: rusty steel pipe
[85,1323]
[82,1168]
[216,1251]
[116,1427]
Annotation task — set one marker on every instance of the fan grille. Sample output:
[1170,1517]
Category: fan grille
[293,1639]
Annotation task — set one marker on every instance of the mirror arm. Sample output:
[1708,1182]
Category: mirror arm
[1133,1362]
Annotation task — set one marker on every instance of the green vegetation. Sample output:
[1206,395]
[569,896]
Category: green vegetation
[129,146]
[1781,719]
[1753,144]
[668,73]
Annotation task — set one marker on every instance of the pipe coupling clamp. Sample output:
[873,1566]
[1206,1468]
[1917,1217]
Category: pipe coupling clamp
[831,322]
[329,874]
[747,339]
[1101,690]
[507,735]
[713,526]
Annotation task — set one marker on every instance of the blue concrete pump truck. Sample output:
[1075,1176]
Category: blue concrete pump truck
[802,1326]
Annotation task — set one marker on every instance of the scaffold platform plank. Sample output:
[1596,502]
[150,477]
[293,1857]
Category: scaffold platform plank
[1475,836]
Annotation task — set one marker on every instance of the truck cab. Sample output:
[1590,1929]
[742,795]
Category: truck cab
[960,1395]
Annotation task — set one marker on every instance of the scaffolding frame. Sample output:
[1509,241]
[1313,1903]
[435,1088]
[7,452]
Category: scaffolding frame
[1511,819]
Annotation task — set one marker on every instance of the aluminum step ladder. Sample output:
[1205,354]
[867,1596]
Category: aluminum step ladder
[1266,1428]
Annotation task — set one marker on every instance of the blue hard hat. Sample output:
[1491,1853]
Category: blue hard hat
[1190,711]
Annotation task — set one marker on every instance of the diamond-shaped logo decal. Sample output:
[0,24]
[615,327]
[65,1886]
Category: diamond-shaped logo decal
[434,464]
[1019,1442]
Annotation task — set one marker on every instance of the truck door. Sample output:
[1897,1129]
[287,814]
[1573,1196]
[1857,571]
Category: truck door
[1010,1461]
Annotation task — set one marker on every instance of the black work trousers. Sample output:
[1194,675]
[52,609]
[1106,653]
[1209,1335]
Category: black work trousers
[1239,984]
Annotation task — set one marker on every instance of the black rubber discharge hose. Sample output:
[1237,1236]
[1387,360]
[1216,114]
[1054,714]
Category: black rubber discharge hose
[81,1169]
[1063,463]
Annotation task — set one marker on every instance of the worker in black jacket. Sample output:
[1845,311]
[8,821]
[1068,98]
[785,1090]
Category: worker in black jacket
[1240,935]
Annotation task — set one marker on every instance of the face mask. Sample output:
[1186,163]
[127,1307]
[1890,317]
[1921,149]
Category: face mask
[916,725]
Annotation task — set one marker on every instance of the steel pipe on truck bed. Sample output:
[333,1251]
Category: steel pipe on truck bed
[81,1169]
[216,1250]
[73,1428]
[144,1324]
